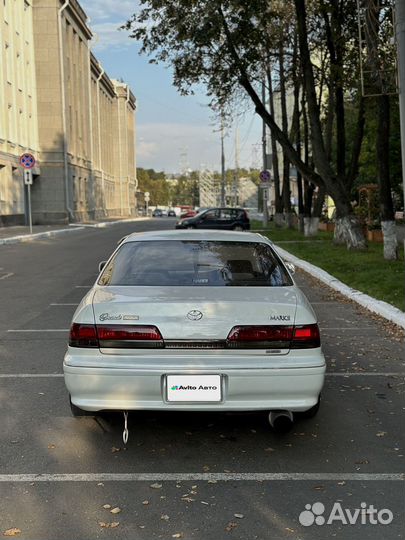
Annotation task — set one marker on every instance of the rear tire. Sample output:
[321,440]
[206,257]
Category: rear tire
[237,228]
[190,227]
[77,412]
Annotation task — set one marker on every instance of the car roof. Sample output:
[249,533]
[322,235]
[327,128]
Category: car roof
[201,234]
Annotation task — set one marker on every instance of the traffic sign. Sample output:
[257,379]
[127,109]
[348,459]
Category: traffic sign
[265,176]
[28,177]
[147,196]
[27,161]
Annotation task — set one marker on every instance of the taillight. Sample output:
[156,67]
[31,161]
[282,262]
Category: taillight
[129,337]
[274,337]
[83,335]
[306,337]
[115,336]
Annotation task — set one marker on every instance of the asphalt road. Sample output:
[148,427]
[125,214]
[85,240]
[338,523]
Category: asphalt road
[203,475]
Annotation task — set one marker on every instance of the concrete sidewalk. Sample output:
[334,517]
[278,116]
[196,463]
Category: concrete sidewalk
[13,235]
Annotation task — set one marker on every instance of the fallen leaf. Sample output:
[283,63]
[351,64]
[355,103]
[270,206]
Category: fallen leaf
[231,525]
[107,506]
[165,517]
[111,525]
[178,535]
[212,481]
[156,486]
[51,446]
[187,499]
[12,532]
[203,502]
[115,510]
[145,502]
[381,434]
[239,516]
[115,449]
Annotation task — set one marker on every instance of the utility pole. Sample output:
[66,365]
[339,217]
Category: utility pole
[400,34]
[236,176]
[223,176]
[264,149]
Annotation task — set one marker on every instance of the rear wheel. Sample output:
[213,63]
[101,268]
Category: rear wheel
[77,412]
[190,227]
[237,228]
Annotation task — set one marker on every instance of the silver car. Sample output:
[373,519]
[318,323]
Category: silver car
[196,321]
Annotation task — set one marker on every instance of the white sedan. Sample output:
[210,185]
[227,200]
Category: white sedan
[195,320]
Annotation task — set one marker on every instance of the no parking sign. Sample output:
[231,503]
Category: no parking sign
[27,161]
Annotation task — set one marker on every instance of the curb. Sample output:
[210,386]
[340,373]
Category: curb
[381,308]
[72,227]
[29,237]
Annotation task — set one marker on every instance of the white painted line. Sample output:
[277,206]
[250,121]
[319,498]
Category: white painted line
[47,330]
[7,275]
[347,328]
[55,304]
[219,477]
[365,374]
[30,375]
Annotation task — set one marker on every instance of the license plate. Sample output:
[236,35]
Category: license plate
[196,388]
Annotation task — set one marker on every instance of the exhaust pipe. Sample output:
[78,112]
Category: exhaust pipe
[281,421]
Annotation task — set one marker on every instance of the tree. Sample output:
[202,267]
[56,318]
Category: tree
[221,44]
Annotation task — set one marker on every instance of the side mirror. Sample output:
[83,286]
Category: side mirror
[290,267]
[101,265]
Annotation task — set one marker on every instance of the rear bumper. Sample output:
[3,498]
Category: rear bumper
[98,388]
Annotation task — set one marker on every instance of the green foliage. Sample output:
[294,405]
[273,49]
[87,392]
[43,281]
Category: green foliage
[155,183]
[366,271]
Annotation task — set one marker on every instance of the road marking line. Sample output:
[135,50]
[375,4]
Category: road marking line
[29,375]
[348,328]
[76,304]
[47,330]
[343,374]
[183,477]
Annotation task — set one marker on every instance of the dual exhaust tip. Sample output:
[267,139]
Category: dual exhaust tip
[281,421]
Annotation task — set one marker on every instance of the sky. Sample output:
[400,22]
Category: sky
[172,131]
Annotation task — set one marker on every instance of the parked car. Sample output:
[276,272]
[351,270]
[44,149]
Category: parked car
[217,218]
[188,213]
[157,212]
[171,213]
[195,321]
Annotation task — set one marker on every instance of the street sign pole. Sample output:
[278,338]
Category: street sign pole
[28,183]
[264,150]
[29,208]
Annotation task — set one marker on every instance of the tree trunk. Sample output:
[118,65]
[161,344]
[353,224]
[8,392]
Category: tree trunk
[286,193]
[348,231]
[278,203]
[389,230]
[384,182]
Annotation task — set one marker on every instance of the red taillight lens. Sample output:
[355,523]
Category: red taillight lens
[274,337]
[260,336]
[306,337]
[136,336]
[83,335]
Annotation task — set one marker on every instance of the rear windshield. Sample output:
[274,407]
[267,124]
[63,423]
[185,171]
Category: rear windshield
[195,263]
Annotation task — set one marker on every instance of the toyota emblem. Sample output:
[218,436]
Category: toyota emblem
[194,315]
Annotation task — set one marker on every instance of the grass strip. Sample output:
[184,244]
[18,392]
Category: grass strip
[366,271]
